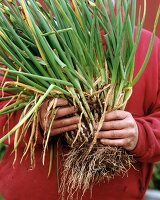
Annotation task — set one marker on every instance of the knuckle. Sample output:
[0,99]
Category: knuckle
[113,134]
[127,142]
[73,127]
[112,125]
[130,123]
[122,143]
[116,113]
[105,125]
[128,114]
[101,134]
[132,133]
[56,132]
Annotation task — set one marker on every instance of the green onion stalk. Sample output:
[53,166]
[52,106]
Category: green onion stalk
[60,52]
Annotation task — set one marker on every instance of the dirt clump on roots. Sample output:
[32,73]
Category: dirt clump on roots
[85,163]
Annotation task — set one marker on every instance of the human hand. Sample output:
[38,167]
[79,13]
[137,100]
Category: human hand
[119,129]
[62,122]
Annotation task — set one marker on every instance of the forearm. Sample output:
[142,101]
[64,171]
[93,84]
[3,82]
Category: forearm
[148,146]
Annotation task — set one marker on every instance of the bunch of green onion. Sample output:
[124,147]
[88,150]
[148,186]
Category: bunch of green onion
[57,51]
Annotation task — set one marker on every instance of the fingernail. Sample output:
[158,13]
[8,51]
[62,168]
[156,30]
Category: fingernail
[102,141]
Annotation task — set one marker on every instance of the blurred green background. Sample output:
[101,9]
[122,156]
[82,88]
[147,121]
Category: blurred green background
[155,182]
[2,148]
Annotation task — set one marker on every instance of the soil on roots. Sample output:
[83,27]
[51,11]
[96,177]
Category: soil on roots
[82,170]
[87,161]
